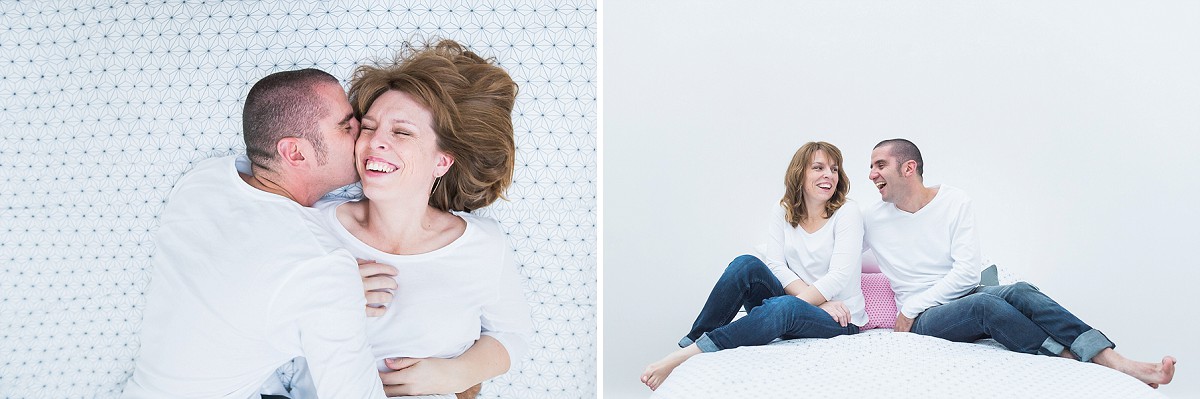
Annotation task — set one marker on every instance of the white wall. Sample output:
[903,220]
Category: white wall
[1072,125]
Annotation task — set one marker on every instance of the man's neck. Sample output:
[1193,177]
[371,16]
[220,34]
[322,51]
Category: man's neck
[918,199]
[279,185]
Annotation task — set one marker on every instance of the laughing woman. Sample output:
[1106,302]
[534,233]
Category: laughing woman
[805,281]
[436,143]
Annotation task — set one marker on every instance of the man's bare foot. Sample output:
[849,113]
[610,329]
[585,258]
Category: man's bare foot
[657,372]
[1153,374]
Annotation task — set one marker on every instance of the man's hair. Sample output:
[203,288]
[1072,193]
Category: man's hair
[281,105]
[795,210]
[904,151]
[471,100]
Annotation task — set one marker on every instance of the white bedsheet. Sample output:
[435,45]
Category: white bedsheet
[880,363]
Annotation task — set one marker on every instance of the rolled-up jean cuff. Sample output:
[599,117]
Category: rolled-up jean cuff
[685,342]
[706,344]
[1052,347]
[1089,344]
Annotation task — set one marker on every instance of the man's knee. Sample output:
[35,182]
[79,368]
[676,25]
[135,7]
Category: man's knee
[1023,287]
[985,305]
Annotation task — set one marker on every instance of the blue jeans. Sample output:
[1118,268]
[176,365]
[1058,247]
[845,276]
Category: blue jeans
[1019,316]
[749,283]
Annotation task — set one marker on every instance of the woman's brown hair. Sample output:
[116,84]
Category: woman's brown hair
[795,210]
[471,100]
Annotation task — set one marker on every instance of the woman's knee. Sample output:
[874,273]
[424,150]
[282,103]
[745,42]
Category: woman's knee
[784,306]
[746,264]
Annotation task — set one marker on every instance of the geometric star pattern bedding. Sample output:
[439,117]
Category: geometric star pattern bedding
[880,363]
[105,104]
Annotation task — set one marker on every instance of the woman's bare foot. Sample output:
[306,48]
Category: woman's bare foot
[1153,374]
[657,372]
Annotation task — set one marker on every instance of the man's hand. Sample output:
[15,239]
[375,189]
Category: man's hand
[838,310]
[903,323]
[429,376]
[378,282]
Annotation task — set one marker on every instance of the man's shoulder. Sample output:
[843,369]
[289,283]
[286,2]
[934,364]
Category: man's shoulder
[953,196]
[205,168]
[876,209]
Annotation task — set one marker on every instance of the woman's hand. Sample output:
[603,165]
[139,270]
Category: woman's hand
[378,282]
[429,376]
[838,310]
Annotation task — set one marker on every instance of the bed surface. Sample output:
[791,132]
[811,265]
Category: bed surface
[880,363]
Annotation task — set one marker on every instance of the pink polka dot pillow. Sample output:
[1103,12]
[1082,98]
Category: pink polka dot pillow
[881,302]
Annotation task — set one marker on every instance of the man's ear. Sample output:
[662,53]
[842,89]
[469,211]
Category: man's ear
[910,168]
[444,161]
[291,150]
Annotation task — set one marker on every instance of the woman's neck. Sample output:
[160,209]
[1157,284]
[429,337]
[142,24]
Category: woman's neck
[401,227]
[815,210]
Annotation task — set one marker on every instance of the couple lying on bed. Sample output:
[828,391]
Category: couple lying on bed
[252,271]
[805,281]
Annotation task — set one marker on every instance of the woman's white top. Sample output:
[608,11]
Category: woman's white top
[829,259]
[446,299]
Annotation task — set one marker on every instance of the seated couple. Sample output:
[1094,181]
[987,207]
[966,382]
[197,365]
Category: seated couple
[251,269]
[805,282]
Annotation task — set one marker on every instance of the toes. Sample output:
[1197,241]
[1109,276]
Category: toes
[1153,385]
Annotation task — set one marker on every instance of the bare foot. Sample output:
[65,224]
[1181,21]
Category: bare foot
[1153,374]
[657,372]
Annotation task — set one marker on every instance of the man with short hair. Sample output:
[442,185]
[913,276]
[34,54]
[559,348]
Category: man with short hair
[244,278]
[926,244]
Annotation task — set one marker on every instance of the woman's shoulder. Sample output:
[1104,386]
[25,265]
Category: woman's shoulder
[487,226]
[849,210]
[327,203]
[848,216]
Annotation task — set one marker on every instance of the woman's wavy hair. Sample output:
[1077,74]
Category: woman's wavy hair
[795,210]
[471,100]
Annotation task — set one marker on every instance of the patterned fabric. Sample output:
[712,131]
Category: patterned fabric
[880,363]
[104,104]
[881,301]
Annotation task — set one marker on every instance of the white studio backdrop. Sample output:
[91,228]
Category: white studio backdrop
[105,104]
[1073,125]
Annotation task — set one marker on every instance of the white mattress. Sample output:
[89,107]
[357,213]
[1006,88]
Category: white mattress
[880,363]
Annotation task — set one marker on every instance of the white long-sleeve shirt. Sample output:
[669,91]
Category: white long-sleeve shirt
[931,256]
[242,282]
[446,299]
[829,259]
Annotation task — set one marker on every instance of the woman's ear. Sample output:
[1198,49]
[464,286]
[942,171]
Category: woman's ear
[443,163]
